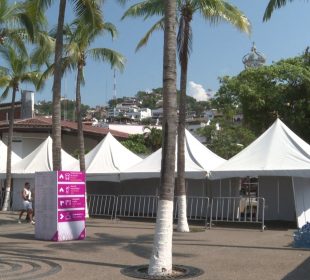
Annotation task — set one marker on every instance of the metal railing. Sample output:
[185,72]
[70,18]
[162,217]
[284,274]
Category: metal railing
[101,205]
[140,206]
[136,206]
[238,209]
[197,208]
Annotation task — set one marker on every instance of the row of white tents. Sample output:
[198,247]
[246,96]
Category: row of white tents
[279,158]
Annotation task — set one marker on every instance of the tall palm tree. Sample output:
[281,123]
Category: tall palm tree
[88,11]
[214,11]
[161,258]
[78,38]
[17,71]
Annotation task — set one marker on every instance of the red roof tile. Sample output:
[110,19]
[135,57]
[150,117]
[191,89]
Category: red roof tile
[42,122]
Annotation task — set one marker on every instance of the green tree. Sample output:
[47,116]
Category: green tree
[16,71]
[226,139]
[262,94]
[136,144]
[153,138]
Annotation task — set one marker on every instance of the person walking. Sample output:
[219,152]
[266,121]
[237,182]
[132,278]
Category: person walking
[27,204]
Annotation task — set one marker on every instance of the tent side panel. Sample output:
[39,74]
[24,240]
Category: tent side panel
[196,187]
[140,187]
[103,187]
[268,190]
[302,200]
[286,200]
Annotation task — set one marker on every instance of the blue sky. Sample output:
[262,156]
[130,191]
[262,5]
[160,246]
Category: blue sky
[217,50]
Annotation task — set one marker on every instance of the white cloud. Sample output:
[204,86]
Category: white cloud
[198,92]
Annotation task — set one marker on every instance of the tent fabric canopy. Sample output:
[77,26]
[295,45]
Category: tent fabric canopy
[198,161]
[3,152]
[41,160]
[108,159]
[277,152]
[200,154]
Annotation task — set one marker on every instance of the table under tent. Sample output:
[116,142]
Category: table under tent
[39,160]
[277,168]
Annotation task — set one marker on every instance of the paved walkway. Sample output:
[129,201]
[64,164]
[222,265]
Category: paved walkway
[223,253]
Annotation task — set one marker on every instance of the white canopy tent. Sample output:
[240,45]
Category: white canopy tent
[277,152]
[39,160]
[199,160]
[3,153]
[145,175]
[278,157]
[105,161]
[200,154]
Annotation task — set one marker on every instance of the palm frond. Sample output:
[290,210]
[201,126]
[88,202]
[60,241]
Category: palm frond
[272,5]
[5,94]
[115,59]
[225,12]
[5,81]
[145,9]
[110,28]
[159,25]
[88,11]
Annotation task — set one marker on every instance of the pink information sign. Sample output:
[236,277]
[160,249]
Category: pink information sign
[71,202]
[71,189]
[71,176]
[71,216]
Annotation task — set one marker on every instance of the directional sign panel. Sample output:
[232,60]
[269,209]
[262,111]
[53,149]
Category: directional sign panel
[71,202]
[71,189]
[71,216]
[71,176]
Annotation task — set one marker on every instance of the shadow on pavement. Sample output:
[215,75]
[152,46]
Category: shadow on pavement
[301,272]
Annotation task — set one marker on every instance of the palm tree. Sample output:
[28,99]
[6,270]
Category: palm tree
[213,11]
[88,11]
[79,37]
[18,70]
[161,258]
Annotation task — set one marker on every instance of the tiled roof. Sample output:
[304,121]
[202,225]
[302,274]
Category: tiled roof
[42,122]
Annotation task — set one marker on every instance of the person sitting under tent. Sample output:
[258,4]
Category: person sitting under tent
[27,203]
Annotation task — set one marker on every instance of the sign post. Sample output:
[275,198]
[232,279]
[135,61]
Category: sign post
[60,205]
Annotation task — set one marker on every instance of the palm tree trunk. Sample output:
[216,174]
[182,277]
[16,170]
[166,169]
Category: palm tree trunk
[80,129]
[161,258]
[6,203]
[56,115]
[180,182]
[79,119]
